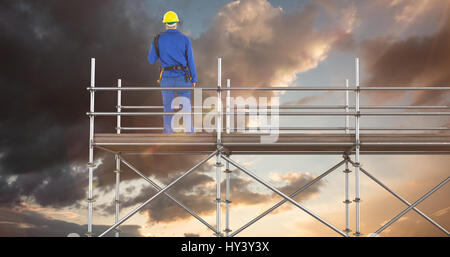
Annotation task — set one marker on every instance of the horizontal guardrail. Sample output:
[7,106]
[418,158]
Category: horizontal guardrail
[312,107]
[268,112]
[265,88]
[297,128]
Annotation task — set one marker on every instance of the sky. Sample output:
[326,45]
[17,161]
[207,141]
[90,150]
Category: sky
[46,48]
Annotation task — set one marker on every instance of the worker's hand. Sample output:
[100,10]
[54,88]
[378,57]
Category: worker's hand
[193,84]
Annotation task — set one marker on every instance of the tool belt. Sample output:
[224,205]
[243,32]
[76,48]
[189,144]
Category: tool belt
[187,73]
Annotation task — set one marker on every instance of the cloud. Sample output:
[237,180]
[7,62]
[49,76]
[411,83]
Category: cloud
[56,186]
[28,223]
[191,235]
[422,61]
[307,100]
[45,66]
[442,212]
[380,208]
[265,45]
[45,69]
[408,12]
[294,180]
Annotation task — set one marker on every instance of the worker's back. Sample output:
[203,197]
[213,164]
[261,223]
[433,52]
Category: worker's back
[175,49]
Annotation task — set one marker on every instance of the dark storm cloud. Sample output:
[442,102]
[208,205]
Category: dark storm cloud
[44,71]
[197,192]
[191,191]
[57,186]
[29,223]
[422,61]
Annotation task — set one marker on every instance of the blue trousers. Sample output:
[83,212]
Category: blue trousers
[169,95]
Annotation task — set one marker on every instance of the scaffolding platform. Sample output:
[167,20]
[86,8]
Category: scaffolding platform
[247,143]
[225,140]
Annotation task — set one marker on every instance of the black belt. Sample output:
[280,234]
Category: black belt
[187,74]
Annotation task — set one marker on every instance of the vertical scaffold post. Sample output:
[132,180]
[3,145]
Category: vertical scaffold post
[117,170]
[347,200]
[119,105]
[347,171]
[117,200]
[357,160]
[219,142]
[227,168]
[228,109]
[347,118]
[219,101]
[91,149]
[227,199]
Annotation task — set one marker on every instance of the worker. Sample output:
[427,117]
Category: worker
[177,69]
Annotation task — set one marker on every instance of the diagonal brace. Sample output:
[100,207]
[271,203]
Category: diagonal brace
[301,189]
[251,174]
[158,194]
[401,199]
[411,207]
[167,194]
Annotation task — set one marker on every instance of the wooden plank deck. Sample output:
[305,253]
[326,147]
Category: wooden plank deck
[250,143]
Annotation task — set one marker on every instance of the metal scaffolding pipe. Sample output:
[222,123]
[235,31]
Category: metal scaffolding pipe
[274,144]
[157,194]
[336,152]
[219,102]
[255,177]
[134,143]
[357,152]
[117,198]
[406,143]
[167,194]
[280,113]
[256,152]
[102,88]
[228,108]
[117,171]
[318,88]
[218,191]
[119,104]
[311,107]
[218,113]
[368,88]
[301,128]
[347,118]
[219,141]
[403,107]
[91,150]
[227,199]
[401,199]
[411,207]
[347,200]
[301,189]
[141,128]
[404,113]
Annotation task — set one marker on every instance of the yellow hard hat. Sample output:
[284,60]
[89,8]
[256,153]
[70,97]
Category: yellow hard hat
[170,17]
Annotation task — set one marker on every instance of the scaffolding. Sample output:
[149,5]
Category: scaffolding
[224,145]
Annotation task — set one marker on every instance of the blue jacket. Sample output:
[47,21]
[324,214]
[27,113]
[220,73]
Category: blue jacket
[175,48]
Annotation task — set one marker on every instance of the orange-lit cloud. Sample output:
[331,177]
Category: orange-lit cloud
[265,45]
